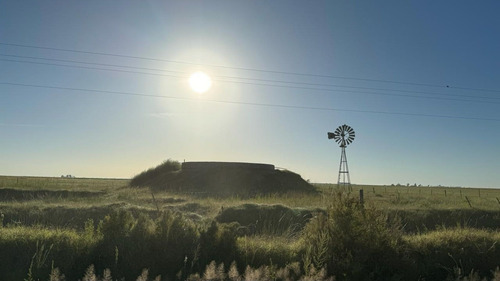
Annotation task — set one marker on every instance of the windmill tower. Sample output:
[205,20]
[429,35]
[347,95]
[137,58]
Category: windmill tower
[343,135]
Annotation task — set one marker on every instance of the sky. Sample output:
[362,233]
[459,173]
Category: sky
[100,88]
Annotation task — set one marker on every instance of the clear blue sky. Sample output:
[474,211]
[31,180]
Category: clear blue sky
[444,132]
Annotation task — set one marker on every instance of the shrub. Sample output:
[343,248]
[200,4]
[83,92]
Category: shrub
[355,243]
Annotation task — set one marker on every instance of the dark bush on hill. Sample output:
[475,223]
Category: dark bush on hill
[155,176]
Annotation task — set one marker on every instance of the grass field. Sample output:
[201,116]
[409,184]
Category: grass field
[71,223]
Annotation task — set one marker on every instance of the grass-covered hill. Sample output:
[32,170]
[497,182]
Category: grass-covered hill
[221,178]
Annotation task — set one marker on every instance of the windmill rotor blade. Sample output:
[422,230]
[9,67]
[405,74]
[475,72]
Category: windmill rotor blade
[343,135]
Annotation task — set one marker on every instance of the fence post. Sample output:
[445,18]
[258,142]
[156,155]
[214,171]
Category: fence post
[468,201]
[445,193]
[479,192]
[361,197]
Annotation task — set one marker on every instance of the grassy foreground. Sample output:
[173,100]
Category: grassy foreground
[56,226]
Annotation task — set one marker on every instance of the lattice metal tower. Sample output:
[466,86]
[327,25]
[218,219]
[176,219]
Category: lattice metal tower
[343,135]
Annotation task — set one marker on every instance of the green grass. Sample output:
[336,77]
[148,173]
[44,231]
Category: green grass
[443,252]
[415,197]
[35,249]
[264,250]
[444,228]
[54,183]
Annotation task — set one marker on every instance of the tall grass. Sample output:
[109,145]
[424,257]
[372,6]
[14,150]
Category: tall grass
[455,251]
[36,249]
[267,250]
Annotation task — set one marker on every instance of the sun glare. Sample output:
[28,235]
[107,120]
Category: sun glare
[200,82]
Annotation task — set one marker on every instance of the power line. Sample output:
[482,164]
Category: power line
[90,63]
[229,77]
[92,68]
[251,69]
[259,84]
[248,103]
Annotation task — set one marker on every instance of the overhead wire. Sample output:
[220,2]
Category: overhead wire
[245,80]
[247,103]
[252,69]
[282,83]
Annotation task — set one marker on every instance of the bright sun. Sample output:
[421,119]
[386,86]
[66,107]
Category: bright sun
[200,82]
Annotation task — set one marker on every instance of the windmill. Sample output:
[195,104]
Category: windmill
[343,135]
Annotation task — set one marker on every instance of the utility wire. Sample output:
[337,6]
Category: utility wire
[250,69]
[229,77]
[247,103]
[281,85]
[90,63]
